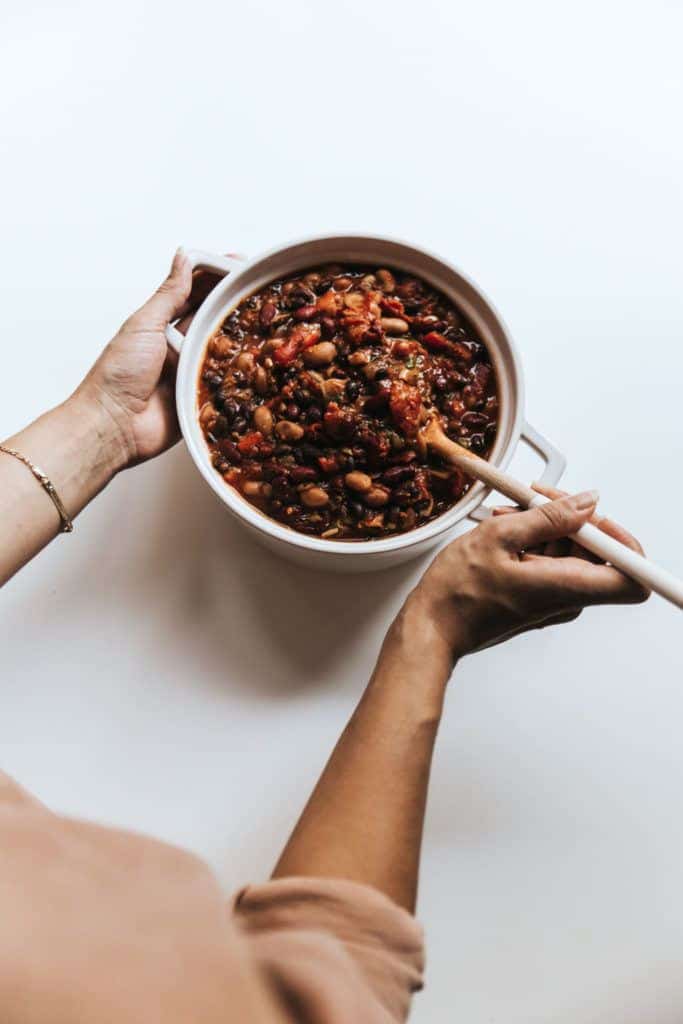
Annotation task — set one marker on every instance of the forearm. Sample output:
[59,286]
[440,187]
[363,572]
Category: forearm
[78,447]
[365,817]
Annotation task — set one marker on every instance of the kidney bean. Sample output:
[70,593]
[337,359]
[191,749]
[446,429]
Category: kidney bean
[306,312]
[303,474]
[267,313]
[292,411]
[328,326]
[314,497]
[230,451]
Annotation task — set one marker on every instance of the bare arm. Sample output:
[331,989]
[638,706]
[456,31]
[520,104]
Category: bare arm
[122,413]
[364,819]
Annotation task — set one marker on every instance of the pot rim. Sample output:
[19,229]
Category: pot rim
[203,326]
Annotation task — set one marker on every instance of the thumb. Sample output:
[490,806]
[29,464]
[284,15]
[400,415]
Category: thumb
[550,521]
[172,294]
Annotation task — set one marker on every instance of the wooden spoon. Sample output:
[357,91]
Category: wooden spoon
[589,536]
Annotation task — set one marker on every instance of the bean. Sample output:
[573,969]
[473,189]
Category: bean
[376,497]
[357,481]
[292,411]
[314,415]
[245,362]
[360,357]
[220,427]
[321,354]
[328,326]
[214,380]
[221,347]
[267,313]
[207,416]
[340,283]
[352,390]
[477,443]
[287,431]
[260,380]
[314,497]
[306,312]
[386,280]
[303,474]
[356,509]
[256,489]
[263,419]
[368,282]
[394,325]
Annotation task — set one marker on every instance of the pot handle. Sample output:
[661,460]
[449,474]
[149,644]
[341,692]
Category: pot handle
[555,464]
[209,261]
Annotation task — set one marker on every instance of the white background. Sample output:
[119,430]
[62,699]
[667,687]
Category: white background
[160,671]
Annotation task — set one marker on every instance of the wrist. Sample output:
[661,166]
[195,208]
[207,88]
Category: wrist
[415,658]
[91,418]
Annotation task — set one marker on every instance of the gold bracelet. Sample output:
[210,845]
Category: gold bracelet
[46,484]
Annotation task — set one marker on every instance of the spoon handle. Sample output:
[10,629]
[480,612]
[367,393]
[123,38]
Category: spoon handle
[589,536]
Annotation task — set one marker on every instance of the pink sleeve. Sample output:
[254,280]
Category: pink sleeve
[333,951]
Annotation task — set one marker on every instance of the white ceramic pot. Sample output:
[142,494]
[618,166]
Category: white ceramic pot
[241,279]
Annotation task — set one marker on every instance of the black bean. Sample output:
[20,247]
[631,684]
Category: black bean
[214,380]
[314,415]
[220,427]
[309,453]
[352,390]
[292,411]
[239,425]
[356,509]
[477,443]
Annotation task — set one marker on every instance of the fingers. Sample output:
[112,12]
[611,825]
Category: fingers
[576,582]
[619,533]
[170,297]
[548,522]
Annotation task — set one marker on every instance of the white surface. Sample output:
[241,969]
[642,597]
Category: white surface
[159,671]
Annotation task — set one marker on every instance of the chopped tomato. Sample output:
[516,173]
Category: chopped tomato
[406,406]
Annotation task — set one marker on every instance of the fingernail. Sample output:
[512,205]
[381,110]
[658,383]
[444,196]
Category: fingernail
[585,500]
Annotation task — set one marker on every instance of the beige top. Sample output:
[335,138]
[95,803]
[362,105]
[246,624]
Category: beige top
[100,926]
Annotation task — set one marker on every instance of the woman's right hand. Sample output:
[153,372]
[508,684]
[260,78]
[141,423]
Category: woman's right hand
[519,571]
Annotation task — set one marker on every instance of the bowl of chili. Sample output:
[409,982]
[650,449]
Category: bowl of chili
[302,382]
